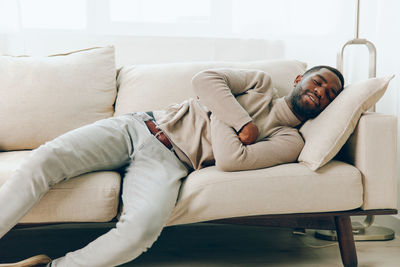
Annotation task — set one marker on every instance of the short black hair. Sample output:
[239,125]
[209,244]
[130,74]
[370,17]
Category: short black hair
[335,71]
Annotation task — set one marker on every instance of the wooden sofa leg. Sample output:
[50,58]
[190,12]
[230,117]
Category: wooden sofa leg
[346,241]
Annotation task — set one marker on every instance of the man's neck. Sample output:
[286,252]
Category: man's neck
[289,103]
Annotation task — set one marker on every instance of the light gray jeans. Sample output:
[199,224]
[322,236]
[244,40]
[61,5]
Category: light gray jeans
[149,190]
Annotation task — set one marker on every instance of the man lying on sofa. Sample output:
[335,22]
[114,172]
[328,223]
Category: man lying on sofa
[237,122]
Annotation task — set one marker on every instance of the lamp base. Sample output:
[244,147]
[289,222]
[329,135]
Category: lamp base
[372,233]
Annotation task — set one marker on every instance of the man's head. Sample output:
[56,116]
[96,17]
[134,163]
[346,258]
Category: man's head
[314,91]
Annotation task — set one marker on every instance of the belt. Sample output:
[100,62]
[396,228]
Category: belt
[158,134]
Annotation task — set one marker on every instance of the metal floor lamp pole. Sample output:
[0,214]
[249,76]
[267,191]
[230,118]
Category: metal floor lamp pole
[361,230]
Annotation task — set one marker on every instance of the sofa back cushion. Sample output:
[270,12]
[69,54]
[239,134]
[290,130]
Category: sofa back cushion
[154,87]
[41,98]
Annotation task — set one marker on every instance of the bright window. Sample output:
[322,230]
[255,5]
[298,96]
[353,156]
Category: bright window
[263,18]
[9,19]
[267,19]
[160,11]
[53,14]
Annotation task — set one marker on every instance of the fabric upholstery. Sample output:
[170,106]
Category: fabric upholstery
[43,97]
[152,87]
[92,197]
[372,148]
[325,135]
[206,194]
[210,194]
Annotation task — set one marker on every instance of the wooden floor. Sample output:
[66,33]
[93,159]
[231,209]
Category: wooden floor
[207,245]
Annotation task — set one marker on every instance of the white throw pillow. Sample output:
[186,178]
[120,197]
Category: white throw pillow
[326,134]
[154,87]
[44,97]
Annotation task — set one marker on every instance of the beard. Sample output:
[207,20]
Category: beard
[299,106]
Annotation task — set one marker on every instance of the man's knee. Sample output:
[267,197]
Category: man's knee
[142,229]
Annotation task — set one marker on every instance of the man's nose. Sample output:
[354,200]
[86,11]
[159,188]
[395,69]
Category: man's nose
[319,91]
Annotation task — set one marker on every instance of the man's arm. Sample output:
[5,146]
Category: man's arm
[216,89]
[232,155]
[248,134]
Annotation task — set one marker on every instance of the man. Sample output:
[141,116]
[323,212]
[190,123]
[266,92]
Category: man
[237,122]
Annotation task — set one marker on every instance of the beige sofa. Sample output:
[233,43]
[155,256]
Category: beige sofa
[49,96]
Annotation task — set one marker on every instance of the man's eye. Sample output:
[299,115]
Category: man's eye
[331,95]
[317,83]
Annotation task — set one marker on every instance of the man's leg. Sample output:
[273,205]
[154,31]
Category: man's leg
[106,144]
[150,190]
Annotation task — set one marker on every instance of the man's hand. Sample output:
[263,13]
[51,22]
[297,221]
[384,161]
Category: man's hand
[248,134]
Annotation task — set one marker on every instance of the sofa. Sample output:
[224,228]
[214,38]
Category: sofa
[43,97]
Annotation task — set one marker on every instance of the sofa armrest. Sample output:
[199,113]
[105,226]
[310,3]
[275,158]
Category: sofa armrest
[372,149]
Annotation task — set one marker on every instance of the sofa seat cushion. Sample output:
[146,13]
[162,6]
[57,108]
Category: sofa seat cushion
[91,197]
[210,194]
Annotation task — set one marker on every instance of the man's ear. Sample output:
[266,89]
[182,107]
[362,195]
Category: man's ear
[298,79]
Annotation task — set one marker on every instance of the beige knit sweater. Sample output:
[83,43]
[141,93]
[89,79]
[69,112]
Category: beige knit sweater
[204,130]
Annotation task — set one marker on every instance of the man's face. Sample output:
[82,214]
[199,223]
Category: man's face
[314,92]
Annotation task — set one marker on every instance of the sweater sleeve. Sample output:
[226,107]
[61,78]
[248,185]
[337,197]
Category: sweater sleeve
[231,155]
[216,89]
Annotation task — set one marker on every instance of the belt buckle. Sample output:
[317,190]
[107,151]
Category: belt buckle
[144,116]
